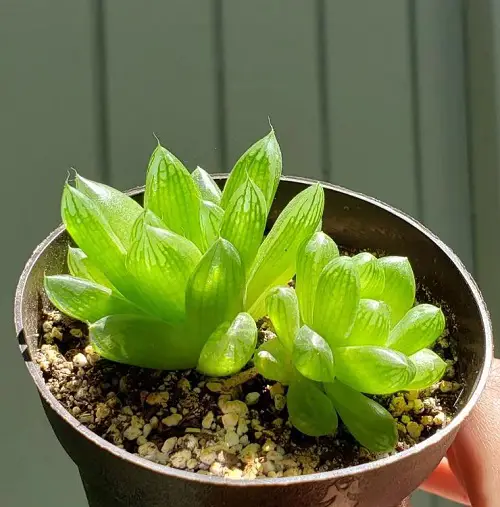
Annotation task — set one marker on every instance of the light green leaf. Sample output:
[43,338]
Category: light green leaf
[310,409]
[161,263]
[211,221]
[373,370]
[419,328]
[313,255]
[229,347]
[92,233]
[119,210]
[84,300]
[273,362]
[276,258]
[368,421]
[143,341]
[399,289]
[371,275]
[80,266]
[283,310]
[173,195]
[245,221]
[430,369]
[215,290]
[262,164]
[371,324]
[312,356]
[209,189]
[337,300]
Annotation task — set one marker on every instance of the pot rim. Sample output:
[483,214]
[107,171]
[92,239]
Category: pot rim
[136,460]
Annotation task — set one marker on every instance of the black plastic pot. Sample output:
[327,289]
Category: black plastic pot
[112,477]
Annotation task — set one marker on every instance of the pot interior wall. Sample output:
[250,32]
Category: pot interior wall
[353,223]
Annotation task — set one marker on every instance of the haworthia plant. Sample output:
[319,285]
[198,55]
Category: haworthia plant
[181,282]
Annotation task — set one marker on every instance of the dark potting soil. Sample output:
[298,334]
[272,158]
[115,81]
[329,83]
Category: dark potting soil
[237,427]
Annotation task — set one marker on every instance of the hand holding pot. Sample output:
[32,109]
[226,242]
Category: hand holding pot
[471,472]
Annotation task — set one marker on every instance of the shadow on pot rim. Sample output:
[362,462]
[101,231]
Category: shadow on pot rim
[463,412]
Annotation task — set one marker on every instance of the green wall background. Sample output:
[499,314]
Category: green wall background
[394,98]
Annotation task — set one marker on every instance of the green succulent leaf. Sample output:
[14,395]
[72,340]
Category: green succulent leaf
[119,210]
[419,328]
[215,290]
[283,310]
[229,347]
[142,341]
[80,266]
[430,369]
[245,221]
[399,289]
[312,356]
[85,300]
[209,189]
[276,259]
[262,164]
[337,301]
[371,275]
[211,221]
[313,255]
[373,370]
[310,409]
[161,263]
[368,421]
[273,362]
[371,324]
[173,196]
[92,233]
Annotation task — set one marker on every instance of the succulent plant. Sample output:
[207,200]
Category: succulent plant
[179,282]
[350,329]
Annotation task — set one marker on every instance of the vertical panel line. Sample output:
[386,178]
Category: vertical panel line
[468,131]
[220,84]
[415,107]
[321,42]
[101,90]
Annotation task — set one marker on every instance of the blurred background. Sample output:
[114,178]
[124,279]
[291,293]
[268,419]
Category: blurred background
[398,99]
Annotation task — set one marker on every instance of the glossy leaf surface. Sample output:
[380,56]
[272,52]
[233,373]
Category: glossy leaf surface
[430,369]
[399,289]
[209,189]
[283,310]
[173,195]
[215,290]
[371,324]
[312,356]
[262,164]
[229,347]
[119,210]
[313,255]
[373,370]
[276,259]
[80,266]
[310,409]
[162,262]
[273,362]
[368,421]
[84,300]
[337,300]
[245,220]
[211,221]
[419,328]
[371,275]
[143,341]
[90,230]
